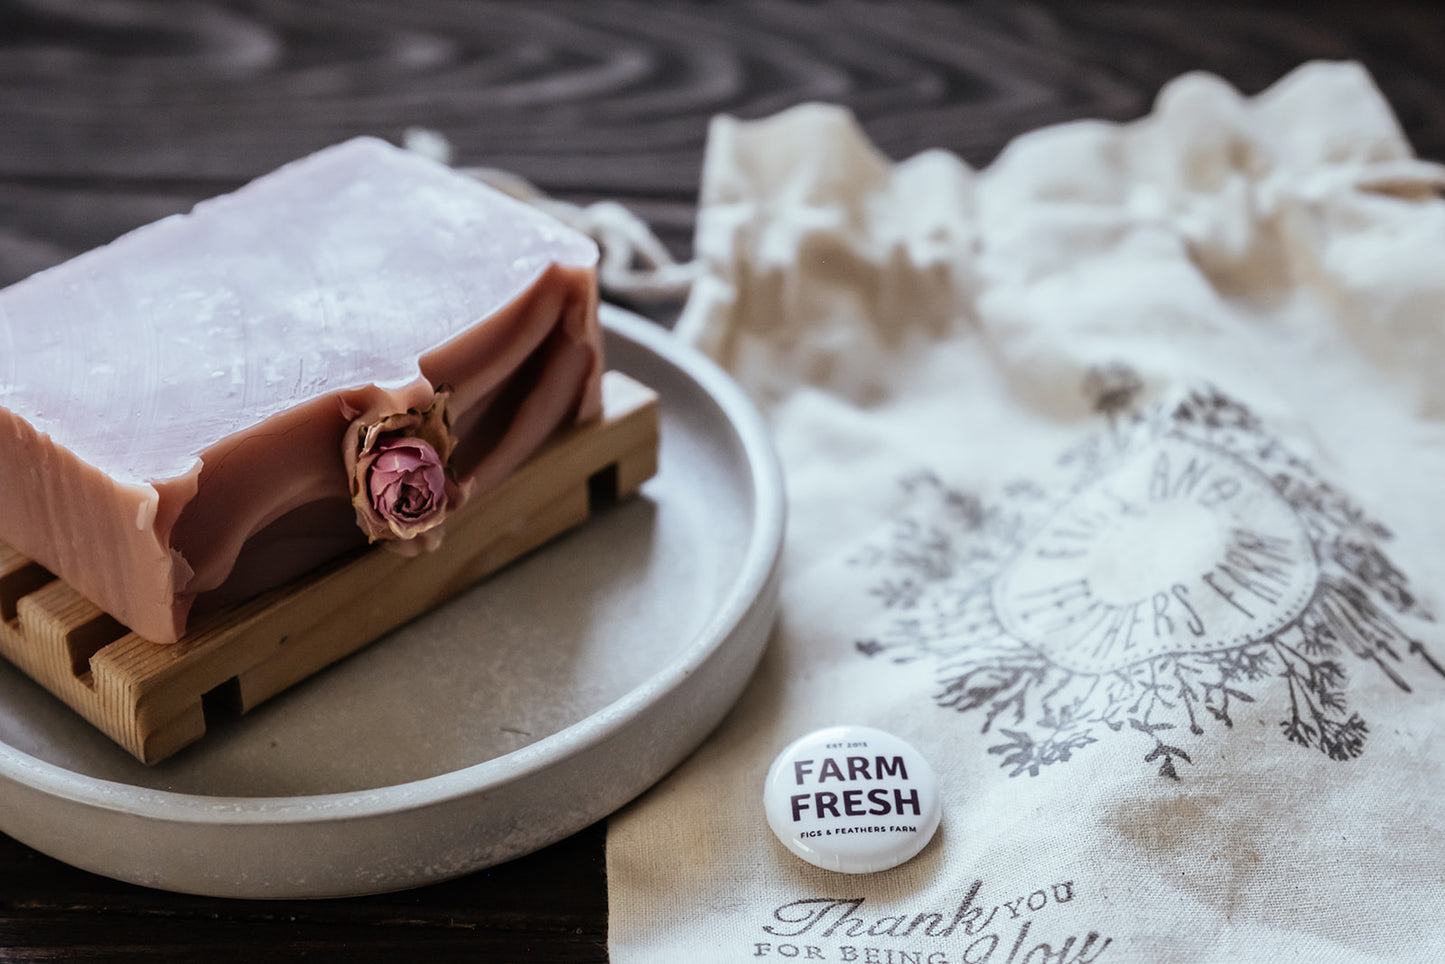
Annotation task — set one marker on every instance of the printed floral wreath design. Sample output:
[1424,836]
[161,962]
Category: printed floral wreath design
[936,576]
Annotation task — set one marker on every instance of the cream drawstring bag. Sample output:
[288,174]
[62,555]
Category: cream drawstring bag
[1115,477]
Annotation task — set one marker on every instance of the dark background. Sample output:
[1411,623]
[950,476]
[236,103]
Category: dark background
[114,113]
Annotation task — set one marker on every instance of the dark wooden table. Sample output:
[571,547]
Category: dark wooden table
[117,112]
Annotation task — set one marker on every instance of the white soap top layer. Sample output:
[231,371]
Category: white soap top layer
[334,272]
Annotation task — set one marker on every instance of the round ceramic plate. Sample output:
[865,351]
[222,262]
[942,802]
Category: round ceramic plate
[522,711]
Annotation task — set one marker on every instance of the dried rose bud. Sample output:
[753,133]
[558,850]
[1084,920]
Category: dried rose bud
[397,464]
[407,485]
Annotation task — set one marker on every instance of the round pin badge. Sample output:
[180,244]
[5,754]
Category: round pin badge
[852,799]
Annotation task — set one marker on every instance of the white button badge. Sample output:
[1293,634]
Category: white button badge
[852,799]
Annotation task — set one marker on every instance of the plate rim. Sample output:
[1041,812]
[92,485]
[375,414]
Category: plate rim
[760,561]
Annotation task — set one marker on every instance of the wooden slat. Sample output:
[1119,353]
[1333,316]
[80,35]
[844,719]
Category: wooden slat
[149,697]
[66,626]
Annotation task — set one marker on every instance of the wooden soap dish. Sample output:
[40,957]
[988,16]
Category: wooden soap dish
[153,699]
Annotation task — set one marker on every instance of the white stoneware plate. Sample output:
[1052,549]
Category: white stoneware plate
[529,707]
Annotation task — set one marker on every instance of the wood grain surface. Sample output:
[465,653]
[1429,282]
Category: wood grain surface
[116,112]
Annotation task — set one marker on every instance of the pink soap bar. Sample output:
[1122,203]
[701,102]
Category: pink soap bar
[182,410]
